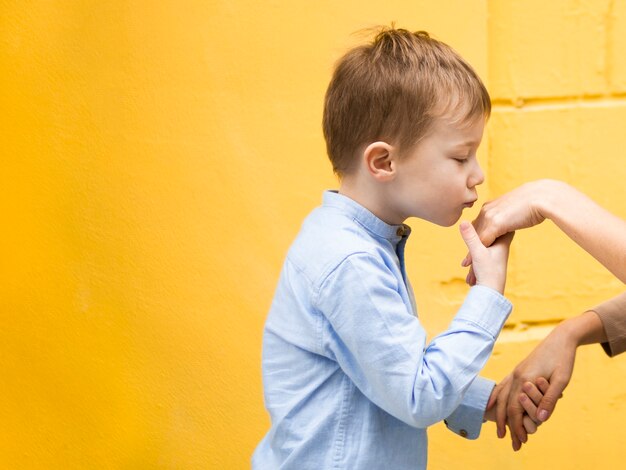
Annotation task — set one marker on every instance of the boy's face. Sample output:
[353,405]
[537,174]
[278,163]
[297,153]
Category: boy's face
[437,179]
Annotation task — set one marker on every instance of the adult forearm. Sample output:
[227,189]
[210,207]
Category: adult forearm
[583,329]
[597,231]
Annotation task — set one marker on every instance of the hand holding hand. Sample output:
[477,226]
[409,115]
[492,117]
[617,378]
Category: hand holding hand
[535,386]
[512,211]
[528,402]
[489,264]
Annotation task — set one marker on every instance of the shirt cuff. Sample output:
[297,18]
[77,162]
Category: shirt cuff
[486,308]
[468,418]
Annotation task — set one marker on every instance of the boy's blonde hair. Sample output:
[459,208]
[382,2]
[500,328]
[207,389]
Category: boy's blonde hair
[392,90]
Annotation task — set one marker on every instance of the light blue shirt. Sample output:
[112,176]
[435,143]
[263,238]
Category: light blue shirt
[349,380]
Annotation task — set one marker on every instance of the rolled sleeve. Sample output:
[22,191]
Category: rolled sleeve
[468,418]
[612,313]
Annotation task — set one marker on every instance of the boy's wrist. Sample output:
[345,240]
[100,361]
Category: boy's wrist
[493,285]
[490,414]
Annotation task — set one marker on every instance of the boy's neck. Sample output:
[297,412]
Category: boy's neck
[371,198]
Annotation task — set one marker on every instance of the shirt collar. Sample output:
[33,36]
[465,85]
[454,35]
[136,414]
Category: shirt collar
[364,217]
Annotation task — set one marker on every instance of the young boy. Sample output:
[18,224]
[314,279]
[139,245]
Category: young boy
[350,382]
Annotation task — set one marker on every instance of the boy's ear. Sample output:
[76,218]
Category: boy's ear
[379,160]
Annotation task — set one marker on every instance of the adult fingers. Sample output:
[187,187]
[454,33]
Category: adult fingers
[484,228]
[533,392]
[503,243]
[470,279]
[552,395]
[543,384]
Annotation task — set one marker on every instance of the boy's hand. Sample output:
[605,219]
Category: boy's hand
[526,406]
[488,264]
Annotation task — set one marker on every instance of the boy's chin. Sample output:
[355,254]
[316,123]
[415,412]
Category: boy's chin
[446,222]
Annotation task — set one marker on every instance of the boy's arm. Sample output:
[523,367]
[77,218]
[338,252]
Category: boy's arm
[480,404]
[467,419]
[380,344]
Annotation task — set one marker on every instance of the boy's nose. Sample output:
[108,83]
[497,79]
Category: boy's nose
[477,177]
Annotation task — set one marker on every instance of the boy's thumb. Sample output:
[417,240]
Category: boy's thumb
[470,237]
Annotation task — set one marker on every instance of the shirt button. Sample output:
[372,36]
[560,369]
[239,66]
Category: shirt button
[463,433]
[400,231]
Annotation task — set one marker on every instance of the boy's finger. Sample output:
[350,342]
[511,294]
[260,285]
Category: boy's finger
[467,260]
[516,443]
[470,237]
[515,413]
[529,425]
[501,417]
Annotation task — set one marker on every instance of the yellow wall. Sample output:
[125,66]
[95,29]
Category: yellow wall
[157,160]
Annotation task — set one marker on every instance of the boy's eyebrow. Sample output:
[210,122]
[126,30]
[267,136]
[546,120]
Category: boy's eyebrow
[466,143]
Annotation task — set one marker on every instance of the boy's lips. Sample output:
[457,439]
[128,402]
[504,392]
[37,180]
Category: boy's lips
[469,204]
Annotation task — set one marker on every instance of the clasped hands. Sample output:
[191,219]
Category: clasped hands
[526,397]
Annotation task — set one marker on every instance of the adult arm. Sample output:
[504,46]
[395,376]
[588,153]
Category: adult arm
[597,231]
[612,313]
[604,324]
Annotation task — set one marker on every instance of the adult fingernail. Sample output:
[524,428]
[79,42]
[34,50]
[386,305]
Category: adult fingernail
[542,415]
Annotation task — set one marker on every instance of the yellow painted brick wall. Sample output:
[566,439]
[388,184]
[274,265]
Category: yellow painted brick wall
[556,72]
[158,159]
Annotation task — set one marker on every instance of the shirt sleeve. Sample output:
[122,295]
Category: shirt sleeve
[612,313]
[381,345]
[468,418]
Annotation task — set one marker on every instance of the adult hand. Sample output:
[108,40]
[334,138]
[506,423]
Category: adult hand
[596,230]
[512,211]
[489,264]
[553,359]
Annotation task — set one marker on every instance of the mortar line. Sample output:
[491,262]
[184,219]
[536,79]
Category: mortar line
[559,102]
